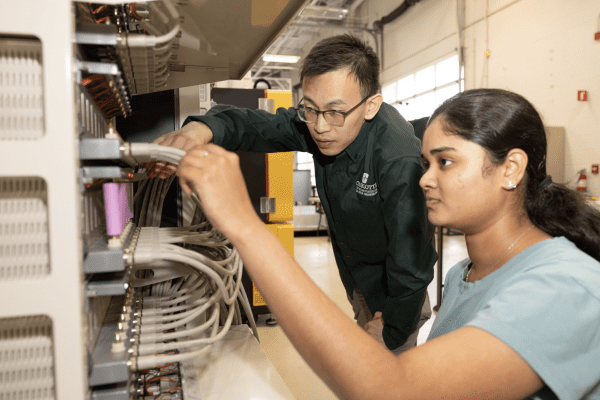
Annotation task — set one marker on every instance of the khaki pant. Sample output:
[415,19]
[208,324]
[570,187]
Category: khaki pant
[362,315]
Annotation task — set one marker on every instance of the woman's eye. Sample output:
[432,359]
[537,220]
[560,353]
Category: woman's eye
[425,165]
[444,162]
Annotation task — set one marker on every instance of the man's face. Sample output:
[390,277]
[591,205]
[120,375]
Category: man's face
[337,91]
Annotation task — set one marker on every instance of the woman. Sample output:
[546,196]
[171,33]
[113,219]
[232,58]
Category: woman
[520,316]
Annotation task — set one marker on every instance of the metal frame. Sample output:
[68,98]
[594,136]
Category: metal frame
[54,158]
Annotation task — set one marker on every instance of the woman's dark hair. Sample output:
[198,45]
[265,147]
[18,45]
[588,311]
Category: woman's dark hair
[344,51]
[499,121]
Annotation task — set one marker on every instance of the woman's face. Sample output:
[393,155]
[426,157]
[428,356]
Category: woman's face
[461,185]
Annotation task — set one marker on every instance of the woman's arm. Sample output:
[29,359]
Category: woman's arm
[468,363]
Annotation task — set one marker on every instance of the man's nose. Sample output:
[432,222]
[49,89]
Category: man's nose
[321,125]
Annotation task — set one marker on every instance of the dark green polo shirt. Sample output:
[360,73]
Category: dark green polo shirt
[370,192]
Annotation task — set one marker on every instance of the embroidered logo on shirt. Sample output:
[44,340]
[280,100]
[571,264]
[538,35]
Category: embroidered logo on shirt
[364,189]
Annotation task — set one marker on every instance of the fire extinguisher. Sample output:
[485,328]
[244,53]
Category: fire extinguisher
[582,182]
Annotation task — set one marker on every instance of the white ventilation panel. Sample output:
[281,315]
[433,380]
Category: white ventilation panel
[21,89]
[23,229]
[26,359]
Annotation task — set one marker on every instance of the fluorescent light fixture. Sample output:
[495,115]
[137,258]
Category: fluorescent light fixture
[324,12]
[280,58]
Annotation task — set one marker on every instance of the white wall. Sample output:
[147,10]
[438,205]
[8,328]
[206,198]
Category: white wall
[541,49]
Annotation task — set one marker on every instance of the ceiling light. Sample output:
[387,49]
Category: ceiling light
[324,12]
[280,58]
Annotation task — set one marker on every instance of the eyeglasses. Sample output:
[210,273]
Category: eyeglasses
[334,118]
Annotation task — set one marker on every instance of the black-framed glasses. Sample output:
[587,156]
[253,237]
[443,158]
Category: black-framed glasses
[334,118]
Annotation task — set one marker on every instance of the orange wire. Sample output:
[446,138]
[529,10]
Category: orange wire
[94,97]
[102,84]
[134,10]
[97,10]
[91,78]
[153,379]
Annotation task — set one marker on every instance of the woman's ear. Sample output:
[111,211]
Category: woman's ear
[514,167]
[373,105]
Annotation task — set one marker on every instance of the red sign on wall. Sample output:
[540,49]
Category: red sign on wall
[582,95]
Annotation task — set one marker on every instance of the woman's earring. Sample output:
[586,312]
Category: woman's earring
[511,185]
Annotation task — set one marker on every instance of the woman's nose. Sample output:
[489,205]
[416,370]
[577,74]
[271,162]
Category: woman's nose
[427,180]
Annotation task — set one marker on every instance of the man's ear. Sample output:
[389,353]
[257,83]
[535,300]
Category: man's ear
[373,105]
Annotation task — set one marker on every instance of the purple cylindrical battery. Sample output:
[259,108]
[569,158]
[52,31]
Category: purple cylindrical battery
[125,210]
[112,205]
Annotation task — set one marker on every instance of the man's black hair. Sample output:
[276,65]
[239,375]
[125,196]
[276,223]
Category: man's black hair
[344,51]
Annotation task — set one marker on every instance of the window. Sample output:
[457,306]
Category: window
[305,161]
[418,95]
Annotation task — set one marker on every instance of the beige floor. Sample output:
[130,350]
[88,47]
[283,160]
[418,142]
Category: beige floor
[314,254]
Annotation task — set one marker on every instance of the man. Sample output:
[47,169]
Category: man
[367,169]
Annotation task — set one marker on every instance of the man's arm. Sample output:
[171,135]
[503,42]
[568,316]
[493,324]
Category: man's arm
[243,129]
[411,252]
[237,129]
[192,134]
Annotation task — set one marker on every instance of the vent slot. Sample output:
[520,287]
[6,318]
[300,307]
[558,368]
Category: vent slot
[24,245]
[26,358]
[21,89]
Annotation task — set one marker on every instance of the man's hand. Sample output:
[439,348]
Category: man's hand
[192,134]
[375,327]
[216,176]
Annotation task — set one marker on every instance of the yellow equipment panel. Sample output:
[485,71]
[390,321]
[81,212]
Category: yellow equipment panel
[280,185]
[285,234]
[280,175]
[257,299]
[282,98]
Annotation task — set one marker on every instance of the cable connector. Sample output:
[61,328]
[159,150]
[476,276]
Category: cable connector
[118,345]
[148,349]
[150,338]
[150,328]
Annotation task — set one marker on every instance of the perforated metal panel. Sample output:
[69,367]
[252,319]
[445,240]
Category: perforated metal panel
[23,229]
[26,359]
[21,90]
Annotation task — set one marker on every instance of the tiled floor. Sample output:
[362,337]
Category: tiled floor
[314,254]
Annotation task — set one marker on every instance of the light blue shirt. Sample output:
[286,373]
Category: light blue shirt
[545,304]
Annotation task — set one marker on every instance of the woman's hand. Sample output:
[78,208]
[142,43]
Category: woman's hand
[215,174]
[192,134]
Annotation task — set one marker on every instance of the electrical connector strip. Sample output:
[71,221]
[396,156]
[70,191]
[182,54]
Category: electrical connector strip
[145,55]
[188,279]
